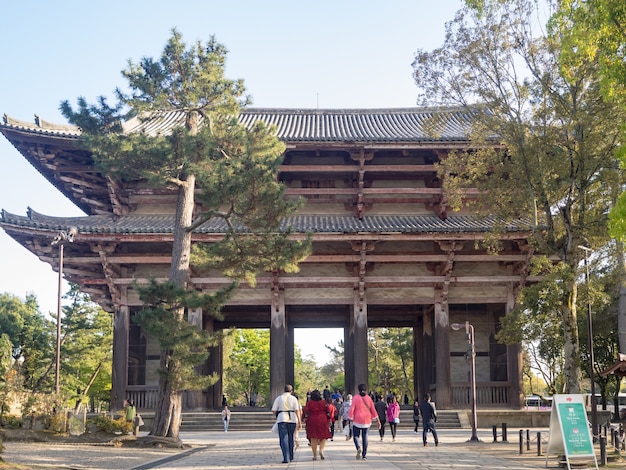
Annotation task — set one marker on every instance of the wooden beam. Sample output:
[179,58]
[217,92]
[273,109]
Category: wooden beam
[355,168]
[337,281]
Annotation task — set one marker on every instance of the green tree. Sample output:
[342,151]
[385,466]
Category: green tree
[6,364]
[536,323]
[308,376]
[32,337]
[86,348]
[598,32]
[233,170]
[390,350]
[601,297]
[555,165]
[249,366]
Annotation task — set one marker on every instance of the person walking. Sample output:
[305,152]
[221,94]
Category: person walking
[429,418]
[226,417]
[288,417]
[317,419]
[130,413]
[333,414]
[416,414]
[361,413]
[345,409]
[393,416]
[381,409]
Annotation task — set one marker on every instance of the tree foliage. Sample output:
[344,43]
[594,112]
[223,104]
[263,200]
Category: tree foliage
[32,337]
[391,363]
[248,369]
[207,152]
[555,164]
[86,349]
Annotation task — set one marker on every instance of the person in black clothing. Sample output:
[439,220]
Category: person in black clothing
[429,418]
[381,409]
[416,414]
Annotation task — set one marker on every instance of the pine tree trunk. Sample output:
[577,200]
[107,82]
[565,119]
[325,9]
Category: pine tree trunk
[168,414]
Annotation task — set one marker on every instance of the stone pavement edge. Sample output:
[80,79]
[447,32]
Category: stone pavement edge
[260,450]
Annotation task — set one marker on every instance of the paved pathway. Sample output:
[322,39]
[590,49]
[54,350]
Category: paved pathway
[260,450]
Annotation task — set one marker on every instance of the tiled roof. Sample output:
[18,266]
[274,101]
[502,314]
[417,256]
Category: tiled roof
[157,224]
[41,127]
[364,125]
[309,125]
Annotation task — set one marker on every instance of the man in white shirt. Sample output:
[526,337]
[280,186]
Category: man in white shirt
[288,416]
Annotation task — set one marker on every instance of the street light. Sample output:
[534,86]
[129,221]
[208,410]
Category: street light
[469,331]
[594,407]
[61,239]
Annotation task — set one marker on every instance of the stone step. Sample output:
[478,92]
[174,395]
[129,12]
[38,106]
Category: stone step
[262,420]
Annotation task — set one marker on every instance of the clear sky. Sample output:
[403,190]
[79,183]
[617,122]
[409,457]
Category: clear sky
[291,54]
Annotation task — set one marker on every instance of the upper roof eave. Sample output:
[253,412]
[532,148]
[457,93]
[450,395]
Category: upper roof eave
[163,224]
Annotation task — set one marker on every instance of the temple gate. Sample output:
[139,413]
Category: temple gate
[387,251]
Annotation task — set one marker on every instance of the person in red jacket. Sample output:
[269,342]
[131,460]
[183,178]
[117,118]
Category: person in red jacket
[334,414]
[317,418]
[361,414]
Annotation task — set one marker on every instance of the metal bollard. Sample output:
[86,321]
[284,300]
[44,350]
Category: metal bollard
[603,459]
[504,432]
[494,429]
[539,443]
[521,441]
[528,439]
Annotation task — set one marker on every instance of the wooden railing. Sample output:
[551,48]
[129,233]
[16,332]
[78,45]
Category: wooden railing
[487,394]
[145,398]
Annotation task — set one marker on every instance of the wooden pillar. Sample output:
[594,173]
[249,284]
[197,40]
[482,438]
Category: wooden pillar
[290,374]
[348,359]
[119,373]
[214,364]
[278,343]
[442,354]
[358,333]
[418,358]
[426,345]
[514,364]
[193,398]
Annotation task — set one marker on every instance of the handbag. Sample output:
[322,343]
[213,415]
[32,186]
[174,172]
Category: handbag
[396,420]
[275,427]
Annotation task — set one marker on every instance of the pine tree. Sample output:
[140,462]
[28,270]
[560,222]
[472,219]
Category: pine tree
[232,169]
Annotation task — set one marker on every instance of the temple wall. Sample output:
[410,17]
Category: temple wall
[417,295]
[320,295]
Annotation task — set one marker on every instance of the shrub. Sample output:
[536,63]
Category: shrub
[111,425]
[13,422]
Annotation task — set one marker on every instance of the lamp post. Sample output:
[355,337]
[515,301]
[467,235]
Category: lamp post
[61,239]
[594,406]
[469,331]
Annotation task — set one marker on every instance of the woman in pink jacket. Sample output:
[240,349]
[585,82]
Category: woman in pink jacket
[393,416]
[361,414]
